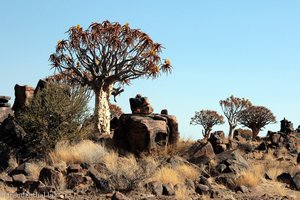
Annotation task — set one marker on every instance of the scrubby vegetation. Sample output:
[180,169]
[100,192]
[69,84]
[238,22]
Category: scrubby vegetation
[55,113]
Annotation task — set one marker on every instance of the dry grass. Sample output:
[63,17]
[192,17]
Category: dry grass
[5,197]
[34,169]
[279,188]
[182,193]
[85,151]
[180,147]
[176,174]
[274,171]
[251,177]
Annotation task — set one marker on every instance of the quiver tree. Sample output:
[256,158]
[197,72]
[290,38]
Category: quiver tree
[231,107]
[207,119]
[107,55]
[256,118]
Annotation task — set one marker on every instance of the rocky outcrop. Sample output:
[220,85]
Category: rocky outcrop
[22,96]
[5,109]
[200,153]
[138,133]
[286,126]
[140,105]
[217,140]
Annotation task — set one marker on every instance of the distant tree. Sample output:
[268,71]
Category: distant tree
[207,119]
[231,107]
[104,56]
[256,118]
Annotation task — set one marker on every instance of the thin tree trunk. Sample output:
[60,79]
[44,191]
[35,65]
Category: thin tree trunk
[230,135]
[255,132]
[102,111]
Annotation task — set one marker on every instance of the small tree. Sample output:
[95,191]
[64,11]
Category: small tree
[107,55]
[256,118]
[231,107]
[55,113]
[207,119]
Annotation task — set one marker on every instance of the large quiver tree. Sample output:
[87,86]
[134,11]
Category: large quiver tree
[231,107]
[105,55]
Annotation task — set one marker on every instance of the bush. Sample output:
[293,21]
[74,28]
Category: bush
[55,113]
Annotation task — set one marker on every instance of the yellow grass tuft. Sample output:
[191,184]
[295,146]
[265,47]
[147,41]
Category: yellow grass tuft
[251,177]
[85,151]
[274,172]
[34,169]
[182,193]
[188,172]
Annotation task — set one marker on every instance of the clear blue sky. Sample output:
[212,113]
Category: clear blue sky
[249,49]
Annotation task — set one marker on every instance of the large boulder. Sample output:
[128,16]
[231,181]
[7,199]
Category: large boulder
[140,105]
[22,96]
[200,153]
[138,133]
[242,135]
[286,126]
[4,101]
[217,140]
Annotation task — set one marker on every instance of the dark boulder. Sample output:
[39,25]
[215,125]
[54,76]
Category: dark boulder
[233,160]
[242,134]
[296,181]
[286,126]
[200,153]
[168,189]
[49,176]
[100,182]
[285,178]
[22,96]
[155,188]
[138,133]
[217,140]
[140,105]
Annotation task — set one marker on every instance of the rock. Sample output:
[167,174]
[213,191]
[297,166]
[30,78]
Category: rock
[32,185]
[217,141]
[12,134]
[164,112]
[242,188]
[19,179]
[262,147]
[85,165]
[49,176]
[285,178]
[49,190]
[296,181]
[101,183]
[200,153]
[119,196]
[240,134]
[5,178]
[286,126]
[190,184]
[74,179]
[245,147]
[227,180]
[274,138]
[6,154]
[268,176]
[23,168]
[138,133]
[22,96]
[221,168]
[4,113]
[168,189]
[204,181]
[202,189]
[234,161]
[74,168]
[140,105]
[155,188]
[298,158]
[4,99]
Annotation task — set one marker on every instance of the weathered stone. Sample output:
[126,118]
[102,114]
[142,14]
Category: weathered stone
[217,141]
[234,161]
[19,179]
[202,189]
[74,179]
[173,128]
[22,96]
[4,104]
[296,181]
[298,158]
[285,178]
[12,134]
[155,187]
[200,153]
[32,185]
[23,168]
[140,105]
[204,181]
[49,190]
[262,146]
[168,189]
[164,112]
[101,183]
[74,168]
[190,184]
[5,112]
[138,133]
[220,168]
[245,147]
[242,188]
[4,99]
[286,126]
[275,138]
[268,176]
[119,196]
[227,180]
[242,133]
[49,176]
[5,178]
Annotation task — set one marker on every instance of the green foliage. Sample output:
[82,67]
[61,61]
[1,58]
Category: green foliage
[55,113]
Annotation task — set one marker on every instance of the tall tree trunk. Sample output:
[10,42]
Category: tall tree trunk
[230,135]
[102,111]
[255,132]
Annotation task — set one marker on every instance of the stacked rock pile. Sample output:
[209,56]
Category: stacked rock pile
[5,109]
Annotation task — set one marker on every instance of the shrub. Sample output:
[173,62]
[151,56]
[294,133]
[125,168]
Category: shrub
[55,113]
